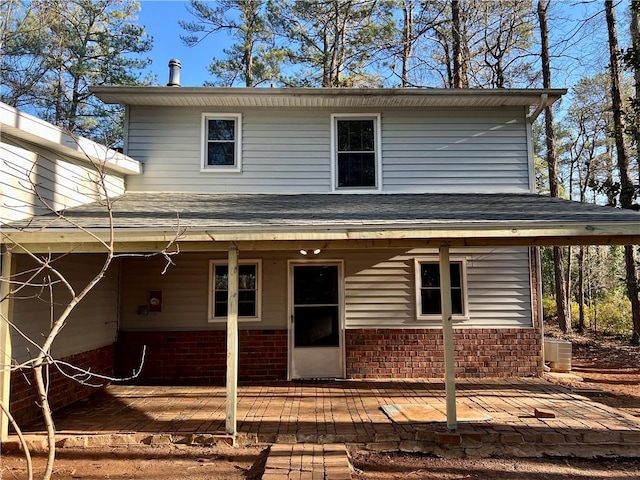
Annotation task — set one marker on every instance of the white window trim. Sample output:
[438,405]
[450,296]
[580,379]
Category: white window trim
[237,168]
[376,117]
[418,285]
[258,317]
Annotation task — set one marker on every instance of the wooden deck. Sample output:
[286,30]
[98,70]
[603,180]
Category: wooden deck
[350,412]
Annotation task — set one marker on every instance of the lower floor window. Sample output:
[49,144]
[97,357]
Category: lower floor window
[428,294]
[248,290]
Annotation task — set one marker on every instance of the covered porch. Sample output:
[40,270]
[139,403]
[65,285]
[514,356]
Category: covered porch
[351,412]
[239,225]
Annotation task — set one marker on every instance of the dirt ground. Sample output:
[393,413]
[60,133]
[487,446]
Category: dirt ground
[610,372]
[415,467]
[609,366]
[144,462]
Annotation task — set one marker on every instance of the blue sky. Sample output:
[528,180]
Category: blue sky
[160,19]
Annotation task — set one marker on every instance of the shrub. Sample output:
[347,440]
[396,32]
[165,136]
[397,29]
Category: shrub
[549,307]
[611,314]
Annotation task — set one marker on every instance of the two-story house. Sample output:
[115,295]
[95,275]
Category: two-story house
[340,213]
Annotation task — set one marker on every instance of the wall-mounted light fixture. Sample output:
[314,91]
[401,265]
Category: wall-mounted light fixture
[306,252]
[155,301]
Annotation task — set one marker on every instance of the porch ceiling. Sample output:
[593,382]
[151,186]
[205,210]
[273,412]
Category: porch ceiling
[210,221]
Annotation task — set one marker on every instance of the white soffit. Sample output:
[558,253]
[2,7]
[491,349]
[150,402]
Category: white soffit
[322,97]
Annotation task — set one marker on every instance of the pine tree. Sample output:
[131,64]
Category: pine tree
[62,47]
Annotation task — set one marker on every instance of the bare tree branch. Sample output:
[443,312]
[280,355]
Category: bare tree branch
[23,441]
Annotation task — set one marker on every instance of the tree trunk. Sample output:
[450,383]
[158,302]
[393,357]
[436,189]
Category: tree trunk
[248,63]
[581,322]
[634,27]
[564,314]
[564,318]
[45,408]
[626,184]
[635,41]
[407,39]
[632,291]
[567,289]
[460,78]
[581,254]
[455,35]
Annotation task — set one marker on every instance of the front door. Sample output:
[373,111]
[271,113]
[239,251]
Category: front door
[316,333]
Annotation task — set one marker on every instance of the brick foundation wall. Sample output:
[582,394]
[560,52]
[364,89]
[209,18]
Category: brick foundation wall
[62,391]
[199,357]
[419,353]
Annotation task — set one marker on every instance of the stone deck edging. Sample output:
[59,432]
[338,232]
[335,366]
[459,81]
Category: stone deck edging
[463,443]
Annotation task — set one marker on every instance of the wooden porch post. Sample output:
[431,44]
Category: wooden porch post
[447,333]
[232,343]
[8,261]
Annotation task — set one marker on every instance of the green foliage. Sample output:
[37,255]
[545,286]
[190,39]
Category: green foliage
[630,59]
[363,43]
[610,315]
[549,306]
[333,43]
[56,49]
[607,306]
[254,58]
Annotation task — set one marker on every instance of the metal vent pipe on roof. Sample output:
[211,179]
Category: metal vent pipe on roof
[174,72]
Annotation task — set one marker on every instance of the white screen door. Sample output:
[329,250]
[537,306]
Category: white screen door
[316,331]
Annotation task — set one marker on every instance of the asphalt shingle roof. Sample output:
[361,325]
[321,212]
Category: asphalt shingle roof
[201,211]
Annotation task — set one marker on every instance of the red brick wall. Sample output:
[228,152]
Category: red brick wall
[62,390]
[175,358]
[199,357]
[419,353]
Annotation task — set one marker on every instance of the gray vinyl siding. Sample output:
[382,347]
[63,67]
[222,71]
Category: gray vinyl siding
[93,322]
[289,150]
[282,151]
[61,182]
[379,289]
[455,150]
[185,292]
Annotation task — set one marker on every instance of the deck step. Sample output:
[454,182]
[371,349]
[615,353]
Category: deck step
[307,461]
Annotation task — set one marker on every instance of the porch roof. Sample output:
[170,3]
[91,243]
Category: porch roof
[454,219]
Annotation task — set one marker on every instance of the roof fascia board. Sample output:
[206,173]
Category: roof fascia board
[168,245]
[625,233]
[26,127]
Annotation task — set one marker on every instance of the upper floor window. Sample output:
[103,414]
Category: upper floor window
[356,151]
[249,285]
[221,144]
[428,289]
